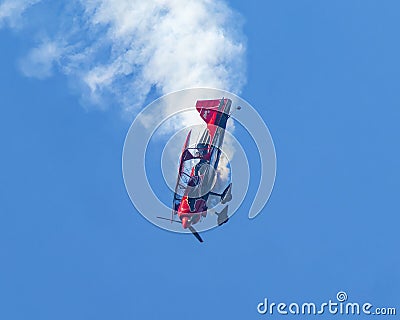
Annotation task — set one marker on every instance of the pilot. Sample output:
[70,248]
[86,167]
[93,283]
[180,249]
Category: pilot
[203,155]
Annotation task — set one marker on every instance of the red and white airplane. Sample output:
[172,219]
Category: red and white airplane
[197,168]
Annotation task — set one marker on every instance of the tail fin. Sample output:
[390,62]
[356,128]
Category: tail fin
[209,110]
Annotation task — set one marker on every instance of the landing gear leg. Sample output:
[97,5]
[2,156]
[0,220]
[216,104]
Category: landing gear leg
[225,196]
[222,216]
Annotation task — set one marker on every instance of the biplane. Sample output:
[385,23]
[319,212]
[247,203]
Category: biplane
[198,166]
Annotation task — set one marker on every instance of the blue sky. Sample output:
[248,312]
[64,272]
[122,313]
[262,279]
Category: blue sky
[325,78]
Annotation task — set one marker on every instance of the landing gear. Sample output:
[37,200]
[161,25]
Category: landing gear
[222,216]
[226,196]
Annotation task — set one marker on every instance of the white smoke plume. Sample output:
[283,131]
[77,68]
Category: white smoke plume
[117,52]
[11,11]
[122,52]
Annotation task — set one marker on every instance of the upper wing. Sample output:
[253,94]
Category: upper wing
[185,155]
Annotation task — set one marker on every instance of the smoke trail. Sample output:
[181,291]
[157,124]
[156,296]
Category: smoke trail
[117,52]
[122,52]
[11,11]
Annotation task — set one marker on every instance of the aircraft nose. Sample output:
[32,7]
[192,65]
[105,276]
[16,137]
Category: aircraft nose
[185,222]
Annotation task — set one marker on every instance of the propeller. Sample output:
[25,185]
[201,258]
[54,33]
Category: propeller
[195,233]
[191,228]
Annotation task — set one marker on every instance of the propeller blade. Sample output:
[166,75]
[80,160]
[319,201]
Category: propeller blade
[195,233]
[172,220]
[193,230]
